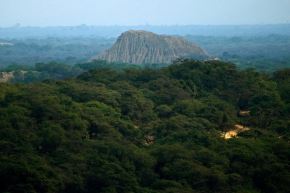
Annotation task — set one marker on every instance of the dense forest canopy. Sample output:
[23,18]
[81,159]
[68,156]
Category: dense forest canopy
[147,131]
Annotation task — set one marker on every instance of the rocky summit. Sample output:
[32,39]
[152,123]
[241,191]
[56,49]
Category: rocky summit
[142,47]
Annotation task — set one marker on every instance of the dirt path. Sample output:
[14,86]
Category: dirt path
[235,132]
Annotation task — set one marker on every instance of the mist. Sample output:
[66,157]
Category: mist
[142,12]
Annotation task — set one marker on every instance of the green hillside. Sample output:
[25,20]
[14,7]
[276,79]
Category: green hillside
[147,131]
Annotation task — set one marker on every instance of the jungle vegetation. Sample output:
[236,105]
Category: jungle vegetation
[146,130]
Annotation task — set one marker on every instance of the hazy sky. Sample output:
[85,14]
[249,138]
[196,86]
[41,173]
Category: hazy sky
[140,12]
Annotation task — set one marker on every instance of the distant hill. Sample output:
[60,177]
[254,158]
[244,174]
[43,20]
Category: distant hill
[114,31]
[142,47]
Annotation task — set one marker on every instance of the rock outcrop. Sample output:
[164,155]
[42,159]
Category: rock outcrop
[6,76]
[141,47]
[10,76]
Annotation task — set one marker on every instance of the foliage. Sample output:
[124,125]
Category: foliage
[146,131]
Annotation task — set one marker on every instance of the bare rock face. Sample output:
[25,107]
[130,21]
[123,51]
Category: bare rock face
[10,76]
[6,76]
[141,47]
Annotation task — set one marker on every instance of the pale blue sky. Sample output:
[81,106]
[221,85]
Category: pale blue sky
[140,12]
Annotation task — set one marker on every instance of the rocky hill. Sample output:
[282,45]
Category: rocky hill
[142,47]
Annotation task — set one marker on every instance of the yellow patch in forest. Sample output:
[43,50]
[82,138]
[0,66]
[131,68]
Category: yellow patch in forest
[235,132]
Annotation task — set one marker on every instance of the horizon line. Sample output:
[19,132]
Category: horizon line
[142,25]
